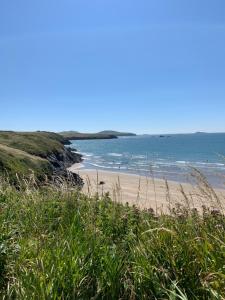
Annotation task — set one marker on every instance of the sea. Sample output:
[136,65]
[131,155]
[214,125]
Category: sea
[177,157]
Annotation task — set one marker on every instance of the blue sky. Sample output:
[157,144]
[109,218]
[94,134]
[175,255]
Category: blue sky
[148,66]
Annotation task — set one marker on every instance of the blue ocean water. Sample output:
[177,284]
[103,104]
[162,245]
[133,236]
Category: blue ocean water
[171,156]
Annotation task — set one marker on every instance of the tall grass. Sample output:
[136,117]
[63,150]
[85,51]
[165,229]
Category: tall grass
[57,243]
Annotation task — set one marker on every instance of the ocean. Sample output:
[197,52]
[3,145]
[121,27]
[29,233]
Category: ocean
[171,157]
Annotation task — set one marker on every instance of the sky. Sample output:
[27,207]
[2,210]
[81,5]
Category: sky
[146,66]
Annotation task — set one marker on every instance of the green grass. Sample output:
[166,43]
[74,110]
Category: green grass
[61,244]
[36,143]
[14,163]
[25,153]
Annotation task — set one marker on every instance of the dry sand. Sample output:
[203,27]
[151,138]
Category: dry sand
[146,192]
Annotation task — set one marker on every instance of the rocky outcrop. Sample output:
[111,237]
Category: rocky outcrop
[41,153]
[60,161]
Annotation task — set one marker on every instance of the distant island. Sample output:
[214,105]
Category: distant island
[106,134]
[200,132]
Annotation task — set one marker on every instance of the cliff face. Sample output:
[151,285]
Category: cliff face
[42,153]
[71,135]
[61,161]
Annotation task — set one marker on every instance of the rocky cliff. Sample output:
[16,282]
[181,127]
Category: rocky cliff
[61,161]
[42,153]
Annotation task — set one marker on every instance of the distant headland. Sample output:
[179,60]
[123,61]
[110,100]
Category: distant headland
[106,134]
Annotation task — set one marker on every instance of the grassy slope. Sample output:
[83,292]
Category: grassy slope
[74,135]
[36,143]
[21,152]
[117,133]
[15,162]
[106,134]
[64,245]
[69,132]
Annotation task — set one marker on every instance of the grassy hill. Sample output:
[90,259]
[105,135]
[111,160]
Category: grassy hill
[15,162]
[69,132]
[107,134]
[42,153]
[117,133]
[35,143]
[74,135]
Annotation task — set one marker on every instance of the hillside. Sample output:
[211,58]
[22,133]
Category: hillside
[36,143]
[117,133]
[41,153]
[106,134]
[15,162]
[74,135]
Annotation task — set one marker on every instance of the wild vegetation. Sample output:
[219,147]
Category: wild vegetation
[35,143]
[38,153]
[14,162]
[57,243]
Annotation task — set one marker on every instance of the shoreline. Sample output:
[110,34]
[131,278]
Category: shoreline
[177,178]
[144,191]
[185,173]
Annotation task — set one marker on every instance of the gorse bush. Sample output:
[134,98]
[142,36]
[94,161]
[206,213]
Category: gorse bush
[61,244]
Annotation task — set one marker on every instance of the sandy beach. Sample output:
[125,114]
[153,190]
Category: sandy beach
[147,192]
